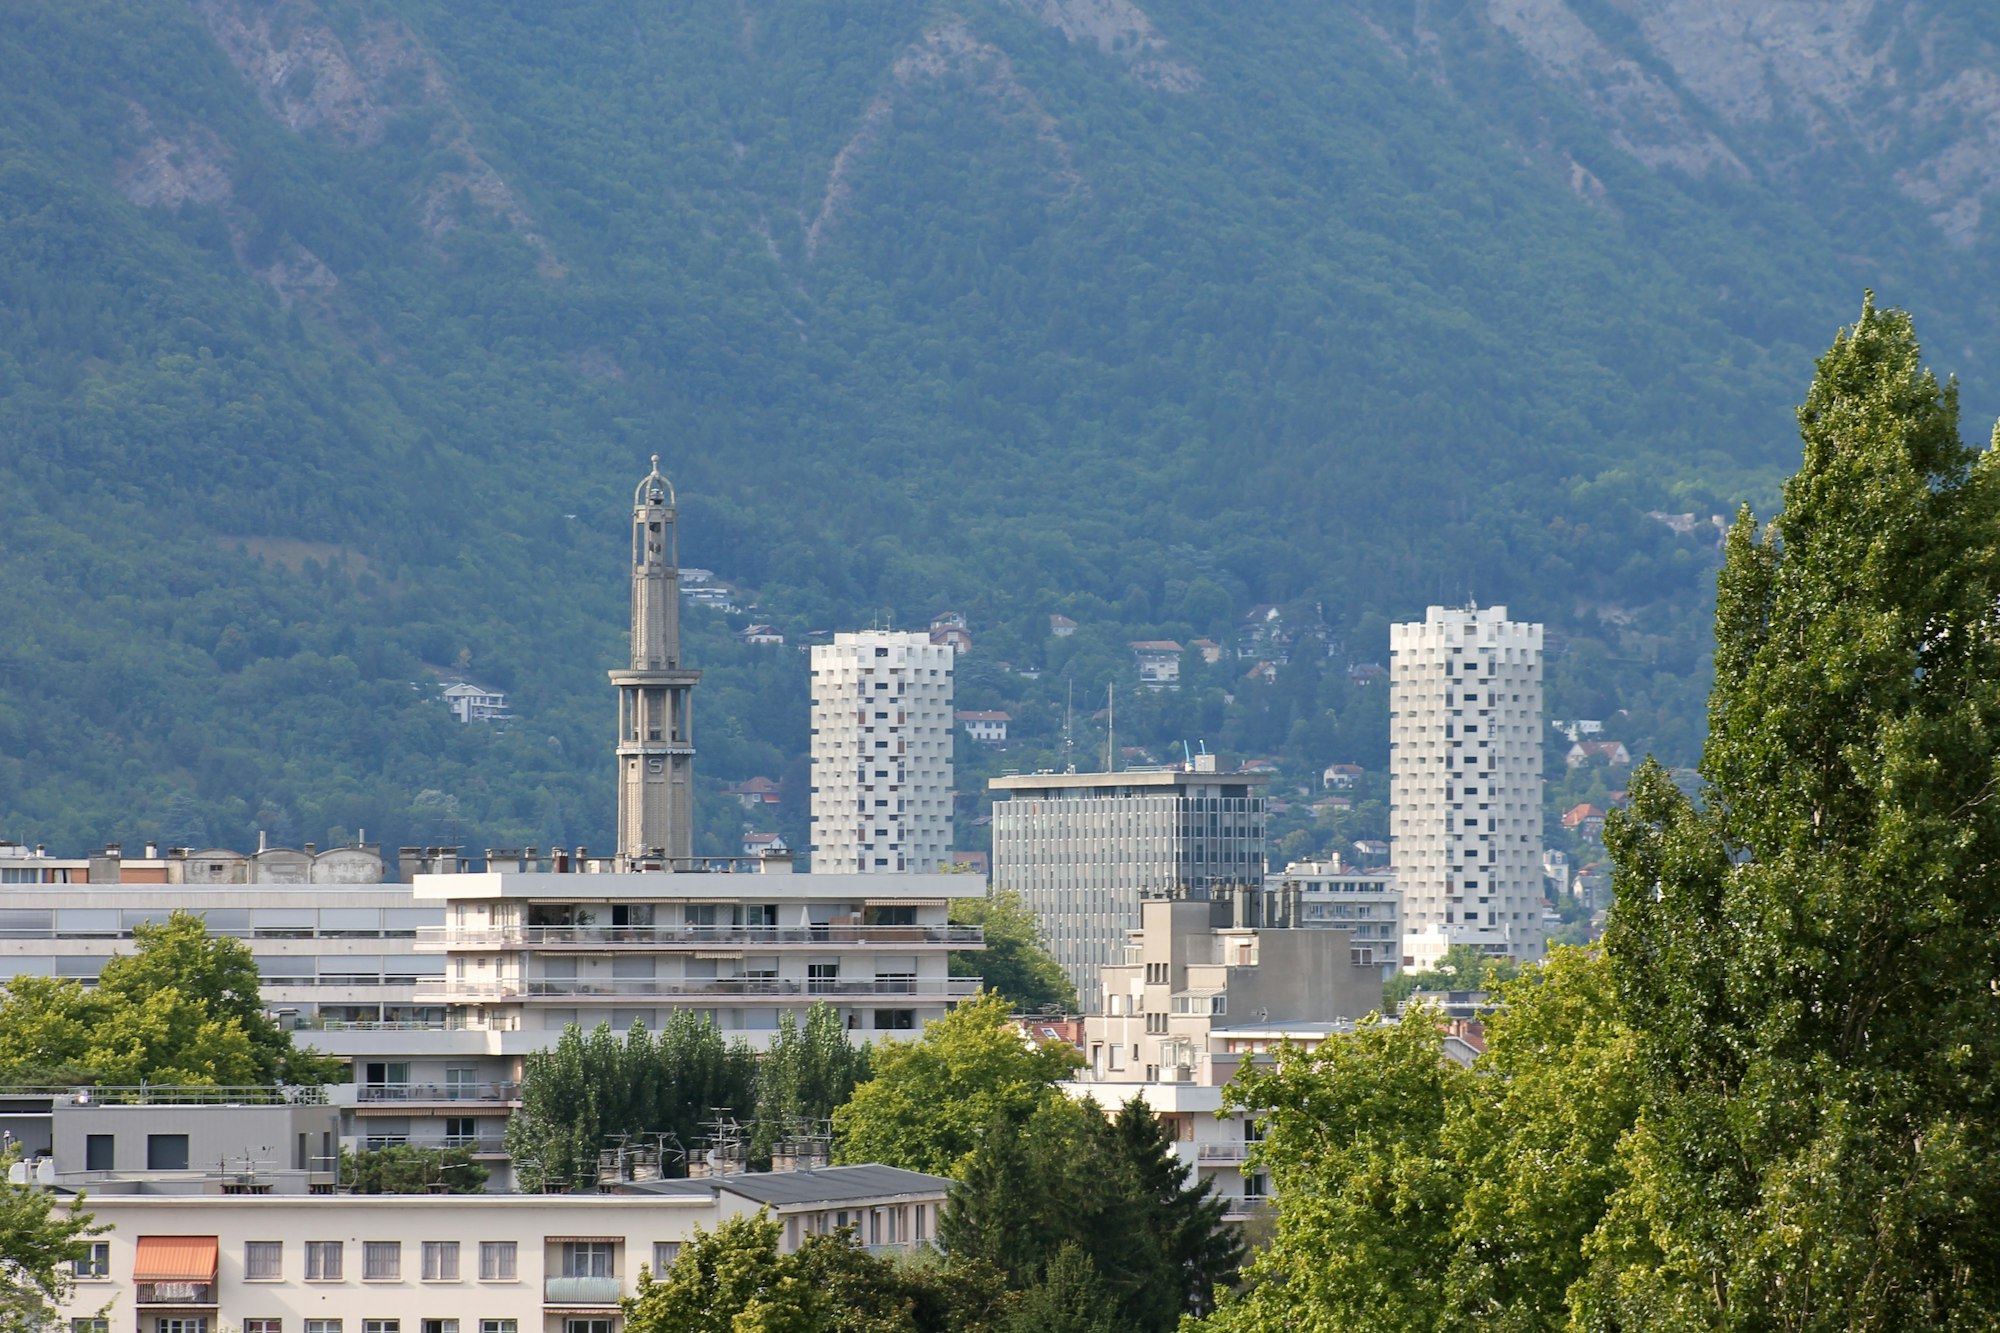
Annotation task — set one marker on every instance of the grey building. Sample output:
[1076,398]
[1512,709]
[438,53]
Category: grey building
[1085,849]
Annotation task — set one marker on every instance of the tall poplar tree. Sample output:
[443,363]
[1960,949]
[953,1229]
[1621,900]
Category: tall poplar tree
[1808,959]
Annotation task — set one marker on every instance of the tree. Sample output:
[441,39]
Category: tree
[931,1099]
[729,1280]
[183,1007]
[808,1072]
[1014,962]
[589,1088]
[1462,968]
[411,1169]
[41,1234]
[1356,1150]
[1200,1252]
[1807,958]
[1070,1298]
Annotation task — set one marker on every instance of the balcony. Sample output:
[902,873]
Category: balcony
[179,1294]
[412,1094]
[1222,1154]
[1239,1207]
[581,1291]
[700,937]
[931,989]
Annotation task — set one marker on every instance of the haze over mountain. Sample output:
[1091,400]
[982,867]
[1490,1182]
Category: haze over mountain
[339,330]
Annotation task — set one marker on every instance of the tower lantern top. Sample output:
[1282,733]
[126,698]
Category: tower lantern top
[655,489]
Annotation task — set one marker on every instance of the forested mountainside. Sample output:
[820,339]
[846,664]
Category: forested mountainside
[338,331]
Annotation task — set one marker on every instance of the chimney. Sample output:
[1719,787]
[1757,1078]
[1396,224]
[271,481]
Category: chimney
[312,849]
[409,863]
[152,851]
[263,842]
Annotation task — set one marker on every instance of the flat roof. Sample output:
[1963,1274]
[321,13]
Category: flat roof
[826,1184]
[1145,777]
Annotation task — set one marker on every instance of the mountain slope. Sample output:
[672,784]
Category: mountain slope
[342,327]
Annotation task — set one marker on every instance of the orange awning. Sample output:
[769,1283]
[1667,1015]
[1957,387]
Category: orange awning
[175,1259]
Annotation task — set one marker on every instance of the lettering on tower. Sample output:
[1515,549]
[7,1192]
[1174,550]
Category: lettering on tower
[655,739]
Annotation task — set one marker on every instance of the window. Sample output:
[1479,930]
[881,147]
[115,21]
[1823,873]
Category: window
[664,1254]
[322,1326]
[263,1260]
[895,1020]
[100,1152]
[96,1263]
[323,1263]
[263,1326]
[576,1324]
[439,1325]
[381,1260]
[441,1261]
[498,1326]
[496,1261]
[381,1325]
[586,1258]
[193,1324]
[90,1325]
[166,1152]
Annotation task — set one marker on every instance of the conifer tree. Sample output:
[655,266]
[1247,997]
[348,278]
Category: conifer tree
[1808,958]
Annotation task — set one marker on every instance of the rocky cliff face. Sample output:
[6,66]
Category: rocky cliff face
[1758,86]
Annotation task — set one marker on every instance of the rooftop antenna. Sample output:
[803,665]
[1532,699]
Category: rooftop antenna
[1111,728]
[1069,744]
[1187,755]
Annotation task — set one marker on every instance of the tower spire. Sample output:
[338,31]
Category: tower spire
[655,740]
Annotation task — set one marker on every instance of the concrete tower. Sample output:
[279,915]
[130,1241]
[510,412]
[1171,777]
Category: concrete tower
[1465,775]
[655,741]
[881,753]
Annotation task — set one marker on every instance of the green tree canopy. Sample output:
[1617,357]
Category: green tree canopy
[1015,963]
[41,1234]
[931,1099]
[408,1168]
[183,1007]
[1808,958]
[729,1280]
[808,1072]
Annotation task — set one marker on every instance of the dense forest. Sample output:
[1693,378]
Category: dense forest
[337,332]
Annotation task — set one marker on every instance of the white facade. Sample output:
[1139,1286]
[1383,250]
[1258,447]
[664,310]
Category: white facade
[1365,903]
[445,1263]
[1465,730]
[881,753]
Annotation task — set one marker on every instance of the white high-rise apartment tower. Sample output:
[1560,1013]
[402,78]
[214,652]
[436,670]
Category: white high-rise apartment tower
[881,753]
[1465,769]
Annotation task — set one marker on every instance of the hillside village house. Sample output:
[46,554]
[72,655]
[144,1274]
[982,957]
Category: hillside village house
[1341,777]
[949,630]
[988,728]
[1061,626]
[1159,662]
[1585,819]
[1613,753]
[755,793]
[474,703]
[760,634]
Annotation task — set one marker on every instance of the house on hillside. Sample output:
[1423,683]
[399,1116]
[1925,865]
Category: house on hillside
[988,728]
[1372,850]
[1366,673]
[1341,777]
[1267,672]
[474,703]
[1061,626]
[1585,820]
[1210,650]
[949,630]
[756,794]
[763,844]
[1159,663]
[1613,753]
[1328,806]
[760,634]
[1261,764]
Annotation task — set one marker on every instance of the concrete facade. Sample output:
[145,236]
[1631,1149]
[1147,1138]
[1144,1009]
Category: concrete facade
[655,729]
[882,736]
[1465,730]
[1085,849]
[1365,903]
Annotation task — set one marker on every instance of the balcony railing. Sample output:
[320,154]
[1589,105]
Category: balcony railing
[174,1293]
[1245,1205]
[940,988]
[146,1094]
[699,937]
[439,1092]
[581,1290]
[1223,1152]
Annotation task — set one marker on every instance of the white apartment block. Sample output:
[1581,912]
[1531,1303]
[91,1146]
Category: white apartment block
[1465,745]
[1365,903]
[442,1263]
[1084,850]
[881,753]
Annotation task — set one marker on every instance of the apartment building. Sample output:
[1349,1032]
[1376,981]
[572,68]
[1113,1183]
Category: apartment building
[881,753]
[1465,730]
[1195,996]
[177,1262]
[1085,849]
[1365,903]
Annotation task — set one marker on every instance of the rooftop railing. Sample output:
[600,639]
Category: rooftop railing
[700,937]
[151,1094]
[720,988]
